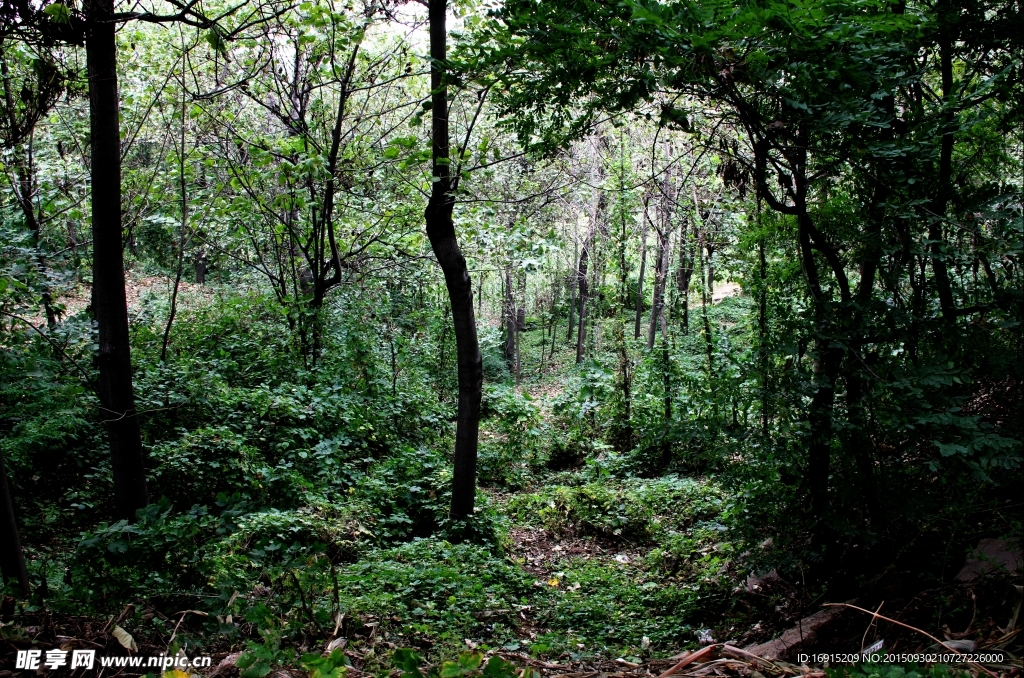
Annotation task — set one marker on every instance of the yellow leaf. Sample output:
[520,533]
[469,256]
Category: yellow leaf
[174,673]
[552,582]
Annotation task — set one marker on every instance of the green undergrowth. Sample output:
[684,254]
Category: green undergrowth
[654,578]
[634,509]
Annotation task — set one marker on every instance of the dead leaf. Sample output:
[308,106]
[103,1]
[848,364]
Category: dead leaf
[125,638]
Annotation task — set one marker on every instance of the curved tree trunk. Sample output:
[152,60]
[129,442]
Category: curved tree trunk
[441,232]
[108,296]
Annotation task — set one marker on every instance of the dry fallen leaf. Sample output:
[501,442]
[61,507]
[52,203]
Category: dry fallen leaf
[125,638]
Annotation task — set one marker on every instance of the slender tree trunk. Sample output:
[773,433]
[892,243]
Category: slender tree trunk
[480,294]
[201,267]
[684,276]
[827,361]
[666,385]
[519,353]
[108,294]
[12,559]
[657,306]
[711,272]
[819,451]
[640,278]
[509,314]
[762,328]
[941,200]
[624,424]
[441,232]
[705,299]
[553,331]
[571,282]
[581,276]
[520,325]
[182,237]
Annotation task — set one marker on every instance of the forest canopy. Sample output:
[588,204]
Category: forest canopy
[512,335]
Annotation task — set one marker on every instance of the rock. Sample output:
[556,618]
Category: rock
[227,667]
[990,556]
[760,583]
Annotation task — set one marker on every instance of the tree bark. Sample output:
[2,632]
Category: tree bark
[581,279]
[109,303]
[762,325]
[570,283]
[683,279]
[182,237]
[640,278]
[658,304]
[825,369]
[441,232]
[510,323]
[940,202]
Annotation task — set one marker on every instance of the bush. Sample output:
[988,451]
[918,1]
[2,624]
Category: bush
[635,510]
[199,465]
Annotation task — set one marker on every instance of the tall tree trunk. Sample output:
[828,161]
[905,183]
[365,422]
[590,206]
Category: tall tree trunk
[12,559]
[666,386]
[658,304]
[640,278]
[762,326]
[509,315]
[182,236]
[108,295]
[825,369]
[683,277]
[711,269]
[571,283]
[201,267]
[581,279]
[480,293]
[664,236]
[939,203]
[441,232]
[705,299]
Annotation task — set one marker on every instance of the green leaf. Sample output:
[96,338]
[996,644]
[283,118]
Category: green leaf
[408,661]
[470,661]
[58,13]
[451,670]
[216,41]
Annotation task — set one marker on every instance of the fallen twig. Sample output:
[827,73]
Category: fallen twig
[735,651]
[912,628]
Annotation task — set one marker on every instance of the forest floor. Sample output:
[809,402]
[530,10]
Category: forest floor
[595,575]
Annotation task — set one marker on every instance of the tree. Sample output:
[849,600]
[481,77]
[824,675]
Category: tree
[811,89]
[444,242]
[109,302]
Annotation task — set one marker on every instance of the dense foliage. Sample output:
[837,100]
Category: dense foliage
[748,293]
